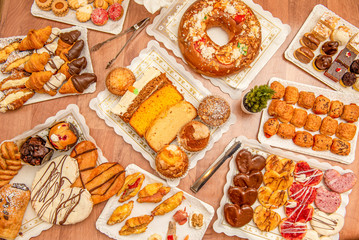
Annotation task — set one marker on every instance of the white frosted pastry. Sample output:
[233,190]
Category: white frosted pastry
[325,224]
[311,235]
[48,48]
[52,197]
[55,82]
[342,34]
[129,96]
[325,238]
[54,33]
[54,64]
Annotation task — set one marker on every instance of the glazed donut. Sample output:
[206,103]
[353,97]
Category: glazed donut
[207,57]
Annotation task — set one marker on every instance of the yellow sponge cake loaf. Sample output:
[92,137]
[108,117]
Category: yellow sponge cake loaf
[153,106]
[163,130]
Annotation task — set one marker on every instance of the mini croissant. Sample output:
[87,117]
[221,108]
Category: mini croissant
[36,62]
[37,80]
[78,83]
[61,47]
[35,39]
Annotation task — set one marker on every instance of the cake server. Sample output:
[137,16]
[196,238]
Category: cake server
[133,28]
[230,149]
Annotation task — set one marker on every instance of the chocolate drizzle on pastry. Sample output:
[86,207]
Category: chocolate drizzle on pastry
[70,37]
[330,47]
[20,186]
[81,82]
[77,65]
[75,51]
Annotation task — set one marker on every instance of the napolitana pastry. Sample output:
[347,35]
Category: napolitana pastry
[153,192]
[336,109]
[7,46]
[346,131]
[10,162]
[34,152]
[322,62]
[74,67]
[60,8]
[194,136]
[14,199]
[54,83]
[171,162]
[214,111]
[16,80]
[36,62]
[278,88]
[330,47]
[169,204]
[321,105]
[346,57]
[83,14]
[242,195]
[115,11]
[99,16]
[303,139]
[163,130]
[313,123]
[306,175]
[327,201]
[342,35]
[339,183]
[266,219]
[78,83]
[131,187]
[336,71]
[136,225]
[52,197]
[237,216]
[291,95]
[63,136]
[286,130]
[299,117]
[321,31]
[35,39]
[306,99]
[119,80]
[44,5]
[202,54]
[270,127]
[326,224]
[321,142]
[120,213]
[16,61]
[348,79]
[350,113]
[340,147]
[329,126]
[304,55]
[310,41]
[14,99]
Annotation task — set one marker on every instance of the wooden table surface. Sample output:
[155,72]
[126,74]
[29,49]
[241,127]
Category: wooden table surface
[16,19]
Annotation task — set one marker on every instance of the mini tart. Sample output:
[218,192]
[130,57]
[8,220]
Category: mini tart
[60,8]
[83,14]
[99,16]
[44,5]
[171,162]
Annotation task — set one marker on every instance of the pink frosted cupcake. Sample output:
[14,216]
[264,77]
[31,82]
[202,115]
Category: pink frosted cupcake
[115,11]
[99,16]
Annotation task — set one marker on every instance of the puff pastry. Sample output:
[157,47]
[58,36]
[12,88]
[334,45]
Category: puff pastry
[16,80]
[36,62]
[15,99]
[7,46]
[35,39]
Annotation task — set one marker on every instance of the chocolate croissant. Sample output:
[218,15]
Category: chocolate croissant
[37,80]
[74,67]
[61,47]
[35,39]
[78,83]
[36,62]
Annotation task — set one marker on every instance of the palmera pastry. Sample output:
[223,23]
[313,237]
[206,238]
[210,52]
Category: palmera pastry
[299,117]
[286,131]
[321,105]
[14,199]
[60,8]
[152,193]
[313,123]
[310,41]
[266,219]
[278,88]
[280,165]
[54,83]
[35,39]
[350,113]
[75,4]
[120,213]
[340,147]
[10,163]
[119,80]
[131,187]
[291,95]
[36,62]
[306,99]
[15,99]
[16,80]
[136,225]
[321,142]
[277,181]
[242,195]
[44,5]
[83,14]
[78,83]
[346,131]
[272,199]
[54,64]
[37,80]
[303,139]
[237,216]
[15,61]
[270,127]
[336,109]
[329,126]
[74,67]
[169,204]
[7,46]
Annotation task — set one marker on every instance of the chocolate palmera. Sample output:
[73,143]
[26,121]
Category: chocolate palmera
[78,83]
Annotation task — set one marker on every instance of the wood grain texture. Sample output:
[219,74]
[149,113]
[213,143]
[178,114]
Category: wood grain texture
[16,19]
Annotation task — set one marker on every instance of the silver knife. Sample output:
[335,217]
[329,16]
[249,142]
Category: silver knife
[230,149]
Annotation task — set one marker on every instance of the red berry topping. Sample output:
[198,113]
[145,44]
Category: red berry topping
[338,69]
[239,18]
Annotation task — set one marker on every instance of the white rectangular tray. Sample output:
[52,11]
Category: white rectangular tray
[114,27]
[40,97]
[308,25]
[32,226]
[250,230]
[274,33]
[159,223]
[192,90]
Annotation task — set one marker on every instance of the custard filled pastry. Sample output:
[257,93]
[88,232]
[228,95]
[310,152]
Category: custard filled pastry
[291,95]
[336,109]
[321,142]
[313,123]
[15,61]
[346,131]
[329,126]
[36,62]
[340,147]
[303,139]
[16,80]
[350,113]
[321,105]
[14,199]
[35,39]
[286,130]
[299,117]
[15,99]
[270,127]
[306,99]
[278,88]
[7,46]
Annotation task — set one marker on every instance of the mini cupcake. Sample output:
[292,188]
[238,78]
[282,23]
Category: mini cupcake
[322,62]
[330,47]
[214,111]
[115,11]
[194,136]
[99,16]
[62,136]
[60,8]
[348,79]
[171,162]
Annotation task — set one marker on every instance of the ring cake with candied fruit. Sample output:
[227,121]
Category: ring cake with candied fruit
[207,57]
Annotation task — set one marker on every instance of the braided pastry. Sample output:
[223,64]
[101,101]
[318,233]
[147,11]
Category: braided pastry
[10,162]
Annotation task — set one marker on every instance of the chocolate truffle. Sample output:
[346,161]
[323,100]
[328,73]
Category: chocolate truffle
[348,79]
[330,47]
[354,67]
[322,62]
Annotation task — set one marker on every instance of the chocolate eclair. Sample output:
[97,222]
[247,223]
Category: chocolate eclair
[348,79]
[310,41]
[75,51]
[70,37]
[330,47]
[354,67]
[304,54]
[322,62]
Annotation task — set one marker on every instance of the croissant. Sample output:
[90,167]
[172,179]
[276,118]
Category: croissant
[37,80]
[35,39]
[78,83]
[61,47]
[74,67]
[73,52]
[36,62]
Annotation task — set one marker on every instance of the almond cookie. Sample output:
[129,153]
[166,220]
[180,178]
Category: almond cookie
[44,5]
[75,4]
[83,14]
[60,8]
